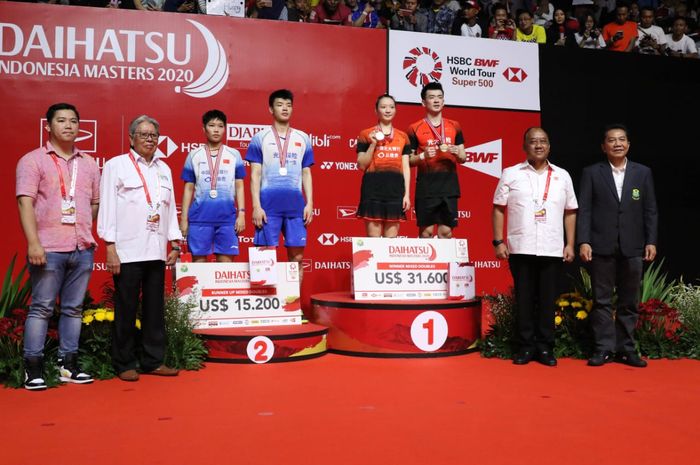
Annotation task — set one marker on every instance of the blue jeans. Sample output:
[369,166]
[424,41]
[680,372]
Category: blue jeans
[65,275]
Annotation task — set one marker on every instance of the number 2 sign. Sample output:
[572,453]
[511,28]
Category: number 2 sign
[260,349]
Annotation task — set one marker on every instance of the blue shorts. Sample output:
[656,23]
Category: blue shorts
[203,239]
[292,228]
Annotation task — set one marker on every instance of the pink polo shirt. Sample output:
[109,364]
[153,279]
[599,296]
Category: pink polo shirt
[37,177]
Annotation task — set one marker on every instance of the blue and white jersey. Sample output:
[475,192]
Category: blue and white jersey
[222,209]
[281,195]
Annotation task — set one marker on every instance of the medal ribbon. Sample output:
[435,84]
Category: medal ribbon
[389,136]
[441,136]
[213,167]
[145,185]
[282,150]
[73,178]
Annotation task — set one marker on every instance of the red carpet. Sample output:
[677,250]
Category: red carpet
[360,411]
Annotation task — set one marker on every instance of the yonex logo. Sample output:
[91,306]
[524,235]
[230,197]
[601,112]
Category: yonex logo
[422,66]
[515,74]
[326,165]
[328,239]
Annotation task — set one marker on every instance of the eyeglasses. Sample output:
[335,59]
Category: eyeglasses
[147,135]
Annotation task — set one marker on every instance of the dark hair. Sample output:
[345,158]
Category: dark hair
[681,18]
[582,22]
[60,106]
[496,7]
[522,11]
[283,94]
[554,12]
[619,5]
[376,104]
[646,8]
[530,129]
[611,127]
[213,114]
[431,86]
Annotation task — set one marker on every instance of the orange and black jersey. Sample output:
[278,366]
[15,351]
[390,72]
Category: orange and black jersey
[437,176]
[388,153]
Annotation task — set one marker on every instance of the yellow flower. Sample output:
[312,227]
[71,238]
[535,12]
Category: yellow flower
[558,320]
[109,316]
[88,312]
[87,319]
[99,316]
[581,315]
[563,303]
[138,324]
[589,305]
[576,304]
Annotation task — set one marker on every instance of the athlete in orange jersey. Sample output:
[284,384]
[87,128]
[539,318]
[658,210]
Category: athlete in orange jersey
[382,153]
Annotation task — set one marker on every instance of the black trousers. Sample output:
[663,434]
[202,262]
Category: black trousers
[535,280]
[610,272]
[146,281]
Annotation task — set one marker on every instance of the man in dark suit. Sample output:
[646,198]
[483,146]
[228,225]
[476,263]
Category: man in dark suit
[616,230]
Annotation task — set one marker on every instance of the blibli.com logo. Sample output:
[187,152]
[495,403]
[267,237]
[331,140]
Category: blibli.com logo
[109,54]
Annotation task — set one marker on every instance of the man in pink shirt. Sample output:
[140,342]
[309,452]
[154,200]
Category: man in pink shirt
[58,195]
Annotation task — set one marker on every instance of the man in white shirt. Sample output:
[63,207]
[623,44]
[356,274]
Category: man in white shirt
[541,205]
[137,219]
[679,44]
[652,39]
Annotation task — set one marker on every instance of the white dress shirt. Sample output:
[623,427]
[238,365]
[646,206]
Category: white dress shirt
[124,209]
[521,189]
[619,178]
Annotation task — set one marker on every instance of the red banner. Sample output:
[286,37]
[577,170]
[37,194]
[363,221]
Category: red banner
[115,65]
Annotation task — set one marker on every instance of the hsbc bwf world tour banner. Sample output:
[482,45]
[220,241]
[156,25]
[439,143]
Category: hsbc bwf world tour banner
[116,64]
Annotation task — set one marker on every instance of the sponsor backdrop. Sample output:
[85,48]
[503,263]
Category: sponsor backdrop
[115,65]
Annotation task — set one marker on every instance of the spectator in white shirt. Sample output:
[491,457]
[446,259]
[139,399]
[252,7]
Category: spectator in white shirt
[541,204]
[544,13]
[679,44]
[652,40]
[465,23]
[137,219]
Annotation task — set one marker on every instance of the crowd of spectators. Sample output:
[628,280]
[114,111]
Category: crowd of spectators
[654,27]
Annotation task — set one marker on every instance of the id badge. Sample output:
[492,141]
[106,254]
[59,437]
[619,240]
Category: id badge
[541,215]
[68,211]
[153,220]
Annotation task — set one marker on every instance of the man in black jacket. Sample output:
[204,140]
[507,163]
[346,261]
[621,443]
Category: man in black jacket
[616,230]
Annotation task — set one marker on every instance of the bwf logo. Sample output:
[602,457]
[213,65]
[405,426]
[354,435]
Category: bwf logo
[485,158]
[87,135]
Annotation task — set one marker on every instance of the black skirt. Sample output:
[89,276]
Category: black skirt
[381,196]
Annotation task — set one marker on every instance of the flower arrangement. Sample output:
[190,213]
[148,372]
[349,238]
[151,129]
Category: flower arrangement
[659,330]
[572,330]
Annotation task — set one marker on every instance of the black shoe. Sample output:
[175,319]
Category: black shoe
[523,357]
[547,358]
[33,374]
[70,372]
[600,358]
[630,358]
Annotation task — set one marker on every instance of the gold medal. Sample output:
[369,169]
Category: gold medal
[444,147]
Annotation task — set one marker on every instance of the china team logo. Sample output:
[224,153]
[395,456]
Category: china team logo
[422,66]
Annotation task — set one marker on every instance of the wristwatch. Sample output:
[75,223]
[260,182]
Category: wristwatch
[175,247]
[497,242]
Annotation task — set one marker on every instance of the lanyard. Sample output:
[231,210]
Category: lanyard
[389,136]
[282,150]
[73,178]
[441,136]
[546,186]
[214,167]
[145,185]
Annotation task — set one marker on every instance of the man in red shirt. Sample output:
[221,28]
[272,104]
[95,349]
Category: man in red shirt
[331,12]
[437,146]
[620,35]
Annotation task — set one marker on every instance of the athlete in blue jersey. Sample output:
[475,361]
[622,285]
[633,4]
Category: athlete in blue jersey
[213,176]
[280,177]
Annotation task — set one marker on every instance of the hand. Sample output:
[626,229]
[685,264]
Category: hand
[308,214]
[412,18]
[406,203]
[36,254]
[649,253]
[184,227]
[373,138]
[454,150]
[186,7]
[113,262]
[172,257]
[240,223]
[502,251]
[586,253]
[259,217]
[368,8]
[430,151]
[569,253]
